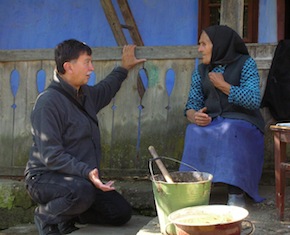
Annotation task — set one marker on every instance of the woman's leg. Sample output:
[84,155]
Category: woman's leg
[236,196]
[234,190]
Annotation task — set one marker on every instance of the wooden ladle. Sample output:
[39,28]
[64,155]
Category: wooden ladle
[160,165]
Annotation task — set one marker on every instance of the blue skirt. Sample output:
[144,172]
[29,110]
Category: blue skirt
[231,150]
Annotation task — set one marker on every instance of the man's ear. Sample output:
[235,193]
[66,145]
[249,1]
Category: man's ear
[67,67]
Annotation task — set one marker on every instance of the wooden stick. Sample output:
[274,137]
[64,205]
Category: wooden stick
[160,165]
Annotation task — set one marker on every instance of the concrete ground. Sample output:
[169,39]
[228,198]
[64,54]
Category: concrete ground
[133,227]
[262,215]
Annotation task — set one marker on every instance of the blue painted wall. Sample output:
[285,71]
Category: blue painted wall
[28,24]
[267,21]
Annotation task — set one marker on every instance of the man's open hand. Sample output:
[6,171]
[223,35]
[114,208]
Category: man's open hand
[94,177]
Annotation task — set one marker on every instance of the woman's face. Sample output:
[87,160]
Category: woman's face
[205,47]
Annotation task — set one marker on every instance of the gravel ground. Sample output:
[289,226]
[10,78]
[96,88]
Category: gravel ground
[265,216]
[262,215]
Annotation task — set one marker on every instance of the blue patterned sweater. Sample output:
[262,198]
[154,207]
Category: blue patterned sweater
[247,94]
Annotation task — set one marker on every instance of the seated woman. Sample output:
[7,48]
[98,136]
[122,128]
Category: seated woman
[225,137]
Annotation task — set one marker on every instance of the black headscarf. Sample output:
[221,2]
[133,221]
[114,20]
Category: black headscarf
[228,46]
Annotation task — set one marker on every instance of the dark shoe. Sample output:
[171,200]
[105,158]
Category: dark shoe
[67,227]
[46,229]
[237,200]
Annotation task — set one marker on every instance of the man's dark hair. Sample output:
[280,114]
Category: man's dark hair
[69,50]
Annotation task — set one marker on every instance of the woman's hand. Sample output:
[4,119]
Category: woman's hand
[94,177]
[200,118]
[219,82]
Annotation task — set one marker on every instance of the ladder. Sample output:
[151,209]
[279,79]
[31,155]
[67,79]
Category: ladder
[117,27]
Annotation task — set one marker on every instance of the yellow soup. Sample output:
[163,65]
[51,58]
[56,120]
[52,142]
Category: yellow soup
[204,219]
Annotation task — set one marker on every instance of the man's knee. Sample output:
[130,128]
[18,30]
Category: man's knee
[124,215]
[84,194]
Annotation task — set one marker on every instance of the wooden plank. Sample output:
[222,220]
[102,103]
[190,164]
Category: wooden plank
[26,55]
[125,129]
[163,123]
[114,22]
[148,52]
[21,121]
[130,22]
[6,116]
[106,53]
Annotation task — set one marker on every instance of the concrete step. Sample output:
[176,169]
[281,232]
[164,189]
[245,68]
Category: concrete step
[16,207]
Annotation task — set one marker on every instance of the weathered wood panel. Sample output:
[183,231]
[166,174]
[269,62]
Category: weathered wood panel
[130,123]
[7,116]
[105,53]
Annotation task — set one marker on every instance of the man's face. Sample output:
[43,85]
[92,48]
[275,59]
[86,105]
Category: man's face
[80,70]
[205,47]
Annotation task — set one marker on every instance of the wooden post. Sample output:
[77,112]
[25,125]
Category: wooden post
[232,14]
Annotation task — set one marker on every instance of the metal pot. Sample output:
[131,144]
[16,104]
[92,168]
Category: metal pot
[210,220]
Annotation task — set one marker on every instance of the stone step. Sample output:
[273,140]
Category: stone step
[16,207]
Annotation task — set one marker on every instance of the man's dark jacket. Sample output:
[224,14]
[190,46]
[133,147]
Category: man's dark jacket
[66,140]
